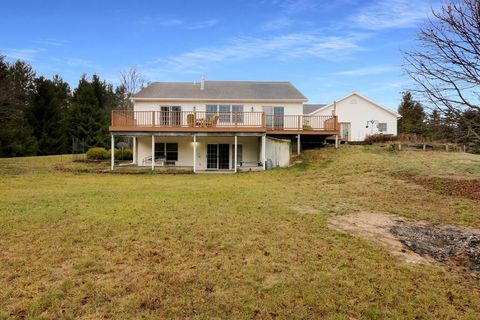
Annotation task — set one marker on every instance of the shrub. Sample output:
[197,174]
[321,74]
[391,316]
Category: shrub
[127,154]
[379,138]
[414,138]
[96,153]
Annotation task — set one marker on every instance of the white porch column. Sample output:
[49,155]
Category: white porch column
[336,141]
[153,152]
[235,155]
[194,153]
[264,151]
[112,151]
[134,151]
[298,144]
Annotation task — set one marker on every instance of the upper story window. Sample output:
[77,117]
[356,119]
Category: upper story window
[227,113]
[382,127]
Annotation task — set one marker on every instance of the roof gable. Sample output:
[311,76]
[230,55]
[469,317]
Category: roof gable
[310,108]
[363,97]
[220,90]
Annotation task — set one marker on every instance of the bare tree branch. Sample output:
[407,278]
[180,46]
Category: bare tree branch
[446,64]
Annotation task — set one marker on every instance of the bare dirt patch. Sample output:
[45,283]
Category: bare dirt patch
[415,242]
[376,227]
[469,189]
[447,244]
[304,210]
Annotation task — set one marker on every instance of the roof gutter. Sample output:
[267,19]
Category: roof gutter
[218,100]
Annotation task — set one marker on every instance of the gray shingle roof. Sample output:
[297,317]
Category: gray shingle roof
[309,108]
[218,90]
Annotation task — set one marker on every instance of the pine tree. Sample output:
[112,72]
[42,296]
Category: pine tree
[48,113]
[88,121]
[16,87]
[413,116]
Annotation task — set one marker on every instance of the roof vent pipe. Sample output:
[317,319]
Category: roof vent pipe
[202,82]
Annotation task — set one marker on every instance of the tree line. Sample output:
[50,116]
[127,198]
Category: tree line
[437,124]
[39,116]
[445,66]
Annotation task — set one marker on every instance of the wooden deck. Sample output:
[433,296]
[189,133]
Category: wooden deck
[201,121]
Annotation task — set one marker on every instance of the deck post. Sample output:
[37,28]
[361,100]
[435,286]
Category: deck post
[134,151]
[112,151]
[264,151]
[194,153]
[336,141]
[298,144]
[153,152]
[235,155]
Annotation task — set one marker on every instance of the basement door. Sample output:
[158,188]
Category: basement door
[218,156]
[345,130]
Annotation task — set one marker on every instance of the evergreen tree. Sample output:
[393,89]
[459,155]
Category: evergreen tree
[413,116]
[105,94]
[88,121]
[442,126]
[465,129]
[48,113]
[16,87]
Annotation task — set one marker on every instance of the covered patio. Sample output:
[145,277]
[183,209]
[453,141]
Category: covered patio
[201,151]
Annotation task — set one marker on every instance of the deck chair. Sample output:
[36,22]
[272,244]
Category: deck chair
[191,120]
[213,121]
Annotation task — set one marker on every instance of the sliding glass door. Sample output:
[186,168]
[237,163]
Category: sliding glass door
[218,156]
[170,116]
[274,117]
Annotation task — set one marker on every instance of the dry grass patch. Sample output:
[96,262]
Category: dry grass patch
[256,245]
[466,188]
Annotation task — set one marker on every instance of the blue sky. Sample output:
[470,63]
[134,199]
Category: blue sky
[327,49]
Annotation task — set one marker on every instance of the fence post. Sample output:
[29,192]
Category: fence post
[424,147]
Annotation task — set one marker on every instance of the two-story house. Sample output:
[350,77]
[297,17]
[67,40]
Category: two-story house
[218,125]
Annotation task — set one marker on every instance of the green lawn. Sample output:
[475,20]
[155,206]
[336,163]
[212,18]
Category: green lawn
[247,246]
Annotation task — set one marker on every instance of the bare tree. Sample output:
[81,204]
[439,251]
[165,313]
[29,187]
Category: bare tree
[131,81]
[446,64]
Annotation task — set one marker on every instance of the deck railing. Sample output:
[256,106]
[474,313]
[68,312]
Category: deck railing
[187,119]
[218,121]
[301,123]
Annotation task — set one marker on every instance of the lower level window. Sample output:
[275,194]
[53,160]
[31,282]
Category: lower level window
[166,151]
[382,127]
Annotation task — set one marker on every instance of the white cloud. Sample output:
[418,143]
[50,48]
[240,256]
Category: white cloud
[368,71]
[277,24]
[283,47]
[203,24]
[73,63]
[391,14]
[51,42]
[296,6]
[158,21]
[170,22]
[175,22]
[25,54]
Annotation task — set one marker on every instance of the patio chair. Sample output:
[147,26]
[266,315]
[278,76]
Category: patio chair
[213,122]
[191,120]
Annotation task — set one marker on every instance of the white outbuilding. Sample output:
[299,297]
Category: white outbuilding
[359,117]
